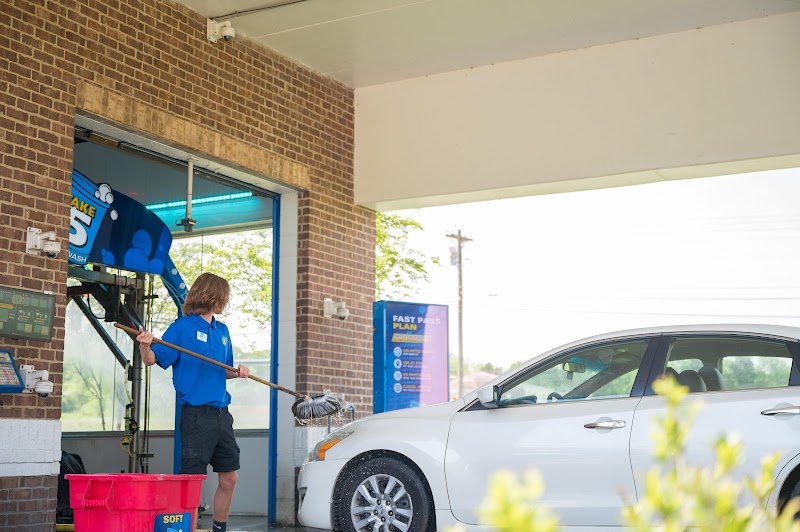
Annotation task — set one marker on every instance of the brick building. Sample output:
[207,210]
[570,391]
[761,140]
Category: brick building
[673,98]
[148,67]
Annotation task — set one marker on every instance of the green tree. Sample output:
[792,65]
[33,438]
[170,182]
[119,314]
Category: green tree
[398,267]
[244,259]
[471,367]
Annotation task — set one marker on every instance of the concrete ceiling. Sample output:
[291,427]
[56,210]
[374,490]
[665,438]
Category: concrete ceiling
[369,42]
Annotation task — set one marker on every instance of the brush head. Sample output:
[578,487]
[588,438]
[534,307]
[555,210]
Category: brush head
[317,406]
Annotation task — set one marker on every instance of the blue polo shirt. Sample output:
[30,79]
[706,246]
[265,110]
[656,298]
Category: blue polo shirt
[196,381]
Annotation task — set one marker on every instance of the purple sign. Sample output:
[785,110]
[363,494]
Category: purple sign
[411,359]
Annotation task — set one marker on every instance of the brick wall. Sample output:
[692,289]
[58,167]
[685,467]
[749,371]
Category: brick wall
[148,65]
[26,503]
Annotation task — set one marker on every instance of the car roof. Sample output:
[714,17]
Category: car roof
[780,331]
[784,331]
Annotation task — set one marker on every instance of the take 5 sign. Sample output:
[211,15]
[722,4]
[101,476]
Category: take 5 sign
[411,355]
[110,228]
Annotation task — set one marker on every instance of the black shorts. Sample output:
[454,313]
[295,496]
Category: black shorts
[207,438]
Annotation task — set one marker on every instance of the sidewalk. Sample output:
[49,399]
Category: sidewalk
[250,524]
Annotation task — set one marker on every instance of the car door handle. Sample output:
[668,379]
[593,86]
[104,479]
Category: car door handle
[786,410]
[615,424]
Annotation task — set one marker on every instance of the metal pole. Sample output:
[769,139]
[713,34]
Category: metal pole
[189,222]
[460,239]
[135,446]
[460,319]
[136,398]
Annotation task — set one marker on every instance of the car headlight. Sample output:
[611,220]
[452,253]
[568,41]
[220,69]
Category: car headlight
[326,443]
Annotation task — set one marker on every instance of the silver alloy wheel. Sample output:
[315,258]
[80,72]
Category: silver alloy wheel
[381,504]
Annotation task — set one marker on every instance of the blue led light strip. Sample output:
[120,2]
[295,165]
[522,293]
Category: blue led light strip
[199,201]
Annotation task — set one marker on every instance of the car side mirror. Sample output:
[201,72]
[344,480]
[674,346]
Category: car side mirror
[488,396]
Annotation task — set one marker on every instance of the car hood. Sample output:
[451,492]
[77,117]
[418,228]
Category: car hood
[408,431]
[441,410]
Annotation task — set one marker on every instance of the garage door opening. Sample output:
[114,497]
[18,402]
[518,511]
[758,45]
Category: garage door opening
[117,415]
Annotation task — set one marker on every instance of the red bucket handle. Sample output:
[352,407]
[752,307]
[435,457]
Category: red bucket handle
[98,503]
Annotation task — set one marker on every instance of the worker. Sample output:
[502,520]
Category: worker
[206,426]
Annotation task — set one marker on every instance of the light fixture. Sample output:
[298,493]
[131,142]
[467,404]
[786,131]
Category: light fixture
[200,201]
[334,309]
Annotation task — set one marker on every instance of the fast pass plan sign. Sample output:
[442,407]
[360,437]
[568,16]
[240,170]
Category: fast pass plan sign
[411,358]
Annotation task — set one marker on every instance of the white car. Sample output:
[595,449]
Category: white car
[579,414]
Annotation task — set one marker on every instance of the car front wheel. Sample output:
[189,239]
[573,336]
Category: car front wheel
[382,495]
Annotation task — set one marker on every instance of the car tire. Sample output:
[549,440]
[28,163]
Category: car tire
[364,491]
[793,494]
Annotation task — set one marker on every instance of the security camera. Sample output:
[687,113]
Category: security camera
[220,30]
[51,248]
[36,381]
[43,388]
[37,242]
[334,309]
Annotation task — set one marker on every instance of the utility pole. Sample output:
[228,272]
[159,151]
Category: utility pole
[456,260]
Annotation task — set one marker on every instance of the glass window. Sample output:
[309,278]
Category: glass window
[598,372]
[729,363]
[245,259]
[96,389]
[743,372]
[687,363]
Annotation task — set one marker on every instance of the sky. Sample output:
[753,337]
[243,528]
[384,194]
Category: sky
[542,271]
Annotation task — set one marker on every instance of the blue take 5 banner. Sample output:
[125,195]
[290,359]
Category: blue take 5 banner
[107,227]
[411,361]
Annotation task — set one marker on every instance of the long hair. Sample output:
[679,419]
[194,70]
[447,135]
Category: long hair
[209,294]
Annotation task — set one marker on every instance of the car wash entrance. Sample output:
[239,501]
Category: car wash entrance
[146,220]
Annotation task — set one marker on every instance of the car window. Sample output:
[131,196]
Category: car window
[620,387]
[728,363]
[687,363]
[597,372]
[743,372]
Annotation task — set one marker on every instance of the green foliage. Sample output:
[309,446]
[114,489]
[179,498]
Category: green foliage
[756,372]
[397,268]
[472,367]
[741,372]
[511,506]
[681,497]
[244,259]
[488,367]
[678,497]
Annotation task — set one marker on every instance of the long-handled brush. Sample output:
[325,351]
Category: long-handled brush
[306,406]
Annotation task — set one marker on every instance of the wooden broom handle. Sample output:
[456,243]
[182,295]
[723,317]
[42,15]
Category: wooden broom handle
[134,332]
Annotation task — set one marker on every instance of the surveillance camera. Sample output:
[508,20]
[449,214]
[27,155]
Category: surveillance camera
[43,388]
[220,30]
[38,242]
[342,313]
[36,381]
[51,248]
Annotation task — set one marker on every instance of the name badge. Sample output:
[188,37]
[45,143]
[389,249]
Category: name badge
[203,337]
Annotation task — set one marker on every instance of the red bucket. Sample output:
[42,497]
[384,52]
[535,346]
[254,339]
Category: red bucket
[135,502]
